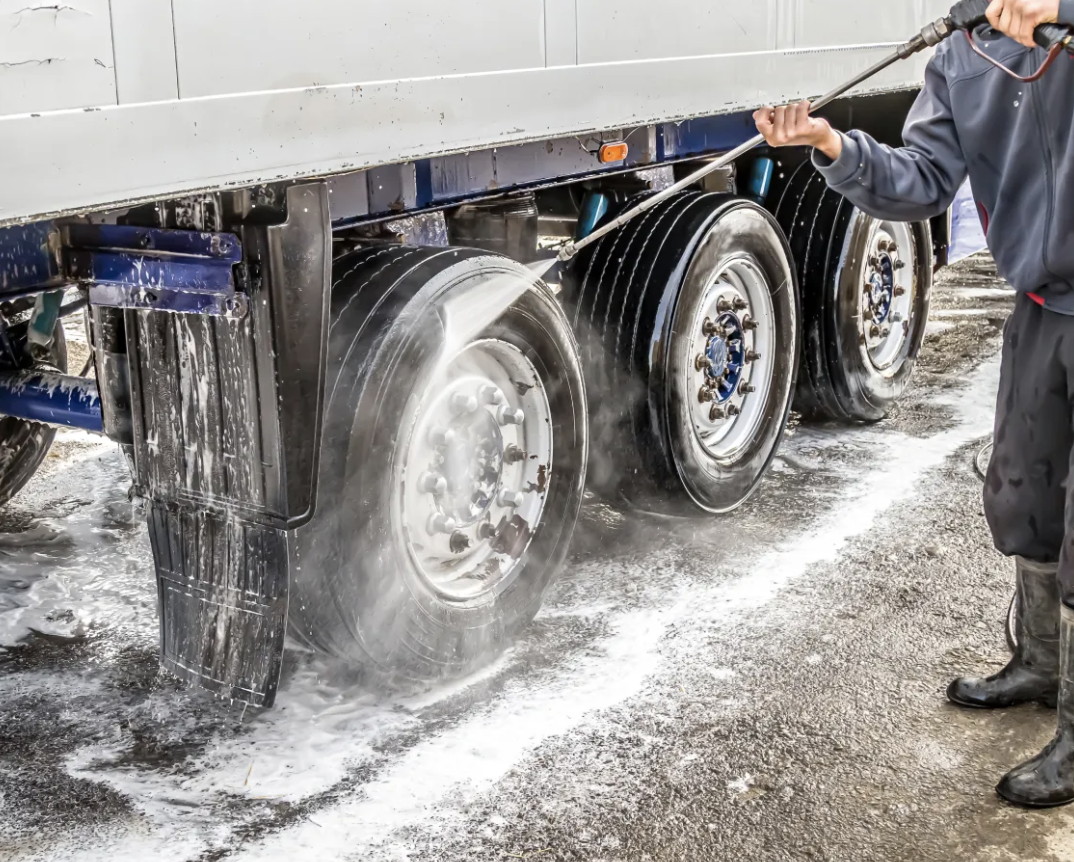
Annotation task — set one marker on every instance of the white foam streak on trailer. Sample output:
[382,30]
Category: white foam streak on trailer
[104,104]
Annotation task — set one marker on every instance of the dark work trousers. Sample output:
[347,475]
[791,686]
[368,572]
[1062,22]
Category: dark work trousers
[1028,498]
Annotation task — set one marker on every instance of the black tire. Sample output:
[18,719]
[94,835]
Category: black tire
[842,377]
[358,592]
[634,307]
[23,444]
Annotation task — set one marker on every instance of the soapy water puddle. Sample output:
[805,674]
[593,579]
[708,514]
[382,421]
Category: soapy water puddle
[337,755]
[165,772]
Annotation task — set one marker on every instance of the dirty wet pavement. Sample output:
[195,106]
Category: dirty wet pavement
[766,685]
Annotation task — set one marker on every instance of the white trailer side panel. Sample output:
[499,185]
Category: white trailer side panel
[438,82]
[144,50]
[642,30]
[55,55]
[239,46]
[818,23]
[561,32]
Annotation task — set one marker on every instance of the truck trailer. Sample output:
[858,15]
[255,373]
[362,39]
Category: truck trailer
[298,234]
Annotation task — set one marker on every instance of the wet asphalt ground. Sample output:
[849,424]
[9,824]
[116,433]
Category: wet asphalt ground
[762,686]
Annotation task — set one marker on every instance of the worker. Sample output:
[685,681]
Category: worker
[1015,141]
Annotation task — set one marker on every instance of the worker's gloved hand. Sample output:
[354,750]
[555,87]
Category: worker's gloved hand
[1019,18]
[792,126]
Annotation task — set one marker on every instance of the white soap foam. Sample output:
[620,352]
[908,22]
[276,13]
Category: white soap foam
[321,732]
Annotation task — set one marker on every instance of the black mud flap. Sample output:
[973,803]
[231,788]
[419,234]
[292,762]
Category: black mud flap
[222,596]
[226,433]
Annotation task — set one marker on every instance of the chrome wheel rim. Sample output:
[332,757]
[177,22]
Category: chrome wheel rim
[470,489]
[887,300]
[733,342]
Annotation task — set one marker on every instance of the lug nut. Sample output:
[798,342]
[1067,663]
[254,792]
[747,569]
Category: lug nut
[749,324]
[513,454]
[433,483]
[874,261]
[732,410]
[715,412]
[885,332]
[458,542]
[899,291]
[747,388]
[462,404]
[510,416]
[739,304]
[874,331]
[899,264]
[513,499]
[723,305]
[705,395]
[709,328]
[441,524]
[491,395]
[702,363]
[441,436]
[752,355]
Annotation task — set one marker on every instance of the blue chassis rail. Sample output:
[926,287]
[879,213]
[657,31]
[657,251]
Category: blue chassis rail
[193,272]
[55,399]
[123,267]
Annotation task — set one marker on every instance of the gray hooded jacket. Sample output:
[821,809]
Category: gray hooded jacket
[1014,140]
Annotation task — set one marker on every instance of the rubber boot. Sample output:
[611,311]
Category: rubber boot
[1047,780]
[1032,676]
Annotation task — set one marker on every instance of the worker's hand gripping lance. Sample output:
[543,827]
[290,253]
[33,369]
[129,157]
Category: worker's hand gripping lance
[1055,38]
[964,16]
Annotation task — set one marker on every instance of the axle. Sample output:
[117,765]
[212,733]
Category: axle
[51,398]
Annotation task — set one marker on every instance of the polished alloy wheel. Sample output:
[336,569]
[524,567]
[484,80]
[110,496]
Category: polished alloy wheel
[887,292]
[733,336]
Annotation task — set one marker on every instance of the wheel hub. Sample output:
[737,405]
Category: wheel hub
[473,482]
[472,468]
[882,282]
[726,352]
[887,292]
[732,356]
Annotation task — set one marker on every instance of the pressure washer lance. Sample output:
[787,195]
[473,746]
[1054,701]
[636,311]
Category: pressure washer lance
[964,16]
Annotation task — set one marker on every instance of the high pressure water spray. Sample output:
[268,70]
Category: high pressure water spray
[963,17]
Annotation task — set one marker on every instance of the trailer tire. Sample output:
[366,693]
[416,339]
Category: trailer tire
[858,349]
[380,576]
[642,302]
[24,444]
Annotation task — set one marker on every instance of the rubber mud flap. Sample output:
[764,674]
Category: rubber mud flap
[222,602]
[226,434]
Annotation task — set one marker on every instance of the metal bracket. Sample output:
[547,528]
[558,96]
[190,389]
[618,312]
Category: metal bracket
[179,271]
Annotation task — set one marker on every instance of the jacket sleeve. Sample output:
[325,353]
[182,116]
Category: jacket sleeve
[916,181]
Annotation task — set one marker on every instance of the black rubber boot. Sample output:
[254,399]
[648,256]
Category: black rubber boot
[1033,673]
[1047,780]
